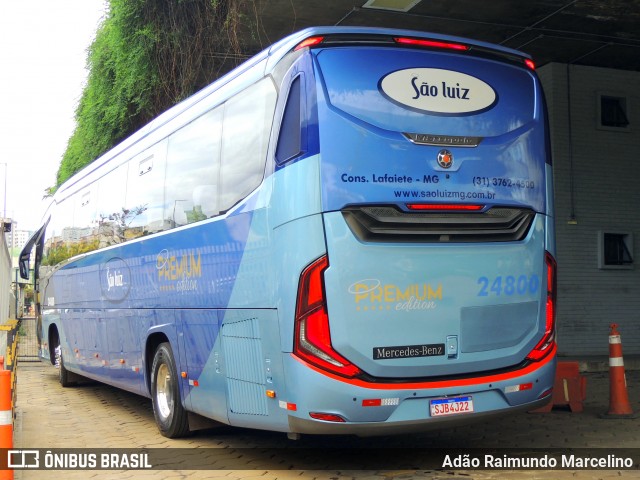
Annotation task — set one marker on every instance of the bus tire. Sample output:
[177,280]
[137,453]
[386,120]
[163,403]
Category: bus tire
[65,377]
[170,415]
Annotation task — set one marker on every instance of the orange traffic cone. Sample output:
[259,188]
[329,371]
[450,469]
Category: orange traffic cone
[6,418]
[619,406]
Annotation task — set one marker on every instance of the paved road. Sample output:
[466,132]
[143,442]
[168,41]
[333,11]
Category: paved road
[98,416]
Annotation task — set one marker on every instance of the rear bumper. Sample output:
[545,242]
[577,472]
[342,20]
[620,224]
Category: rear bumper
[301,425]
[406,407]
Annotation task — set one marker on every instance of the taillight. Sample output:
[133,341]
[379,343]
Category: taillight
[529,63]
[419,42]
[312,341]
[444,206]
[545,345]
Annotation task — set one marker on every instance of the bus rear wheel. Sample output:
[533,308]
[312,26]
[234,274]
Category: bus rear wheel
[65,377]
[170,415]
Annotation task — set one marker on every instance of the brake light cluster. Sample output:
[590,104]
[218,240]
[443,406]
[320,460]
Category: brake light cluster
[435,207]
[415,42]
[419,42]
[312,342]
[545,345]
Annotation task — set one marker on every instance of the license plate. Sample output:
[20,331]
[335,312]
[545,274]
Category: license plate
[451,406]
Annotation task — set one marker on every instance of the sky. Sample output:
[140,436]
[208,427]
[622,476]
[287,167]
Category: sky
[43,51]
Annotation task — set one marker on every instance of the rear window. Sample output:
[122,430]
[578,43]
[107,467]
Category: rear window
[425,91]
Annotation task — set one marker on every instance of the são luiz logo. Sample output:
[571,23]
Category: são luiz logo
[370,294]
[179,272]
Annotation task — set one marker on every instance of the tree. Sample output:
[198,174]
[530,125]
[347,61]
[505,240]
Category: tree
[147,56]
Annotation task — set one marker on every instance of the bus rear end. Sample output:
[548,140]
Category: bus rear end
[435,299]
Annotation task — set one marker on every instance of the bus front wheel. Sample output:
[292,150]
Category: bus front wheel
[170,415]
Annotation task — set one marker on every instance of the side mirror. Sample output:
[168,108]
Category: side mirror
[23,259]
[23,263]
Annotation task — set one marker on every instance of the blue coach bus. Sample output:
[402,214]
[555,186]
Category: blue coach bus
[352,232]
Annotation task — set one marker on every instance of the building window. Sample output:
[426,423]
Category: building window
[615,250]
[613,112]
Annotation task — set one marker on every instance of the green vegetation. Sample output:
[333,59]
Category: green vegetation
[147,56]
[28,293]
[62,252]
[195,215]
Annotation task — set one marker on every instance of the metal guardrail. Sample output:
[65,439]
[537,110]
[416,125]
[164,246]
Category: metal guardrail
[28,341]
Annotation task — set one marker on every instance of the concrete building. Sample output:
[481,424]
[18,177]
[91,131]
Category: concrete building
[594,115]
[17,238]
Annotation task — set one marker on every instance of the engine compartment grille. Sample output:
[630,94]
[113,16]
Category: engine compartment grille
[387,223]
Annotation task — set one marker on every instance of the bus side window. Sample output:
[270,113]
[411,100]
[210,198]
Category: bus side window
[193,170]
[60,235]
[144,206]
[84,217]
[248,118]
[290,138]
[111,193]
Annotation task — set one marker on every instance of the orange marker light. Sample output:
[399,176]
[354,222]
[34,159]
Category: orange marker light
[309,42]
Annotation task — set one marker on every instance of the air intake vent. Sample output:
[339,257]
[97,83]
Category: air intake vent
[390,224]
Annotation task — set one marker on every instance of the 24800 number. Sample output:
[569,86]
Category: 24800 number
[508,285]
